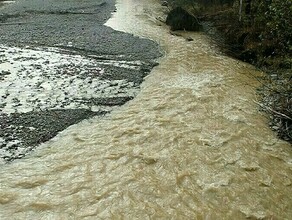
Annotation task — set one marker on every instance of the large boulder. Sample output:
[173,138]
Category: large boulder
[180,19]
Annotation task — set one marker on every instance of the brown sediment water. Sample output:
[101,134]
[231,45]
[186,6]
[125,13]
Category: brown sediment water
[191,145]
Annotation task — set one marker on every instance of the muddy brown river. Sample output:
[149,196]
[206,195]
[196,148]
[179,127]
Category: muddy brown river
[191,145]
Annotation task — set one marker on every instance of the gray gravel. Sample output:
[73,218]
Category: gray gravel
[104,70]
[71,24]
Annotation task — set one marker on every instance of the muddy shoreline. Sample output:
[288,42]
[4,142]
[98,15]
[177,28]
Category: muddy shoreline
[59,65]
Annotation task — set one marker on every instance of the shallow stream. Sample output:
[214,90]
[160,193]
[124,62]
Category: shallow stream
[191,145]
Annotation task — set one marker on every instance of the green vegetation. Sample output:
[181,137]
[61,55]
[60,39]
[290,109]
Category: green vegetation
[258,32]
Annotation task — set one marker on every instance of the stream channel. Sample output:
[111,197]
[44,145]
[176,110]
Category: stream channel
[191,145]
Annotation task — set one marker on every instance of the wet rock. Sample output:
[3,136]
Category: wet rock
[189,39]
[275,128]
[180,19]
[113,84]
[164,3]
[113,101]
[4,73]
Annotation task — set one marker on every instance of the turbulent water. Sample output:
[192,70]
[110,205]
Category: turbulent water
[191,145]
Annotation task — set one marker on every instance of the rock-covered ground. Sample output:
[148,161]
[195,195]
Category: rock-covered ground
[59,65]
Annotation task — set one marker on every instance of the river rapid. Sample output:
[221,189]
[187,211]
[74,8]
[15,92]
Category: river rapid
[191,145]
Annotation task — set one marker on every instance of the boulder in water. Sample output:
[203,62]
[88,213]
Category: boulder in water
[180,19]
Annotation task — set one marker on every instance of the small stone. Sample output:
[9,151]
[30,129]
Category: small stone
[189,39]
[3,72]
[113,84]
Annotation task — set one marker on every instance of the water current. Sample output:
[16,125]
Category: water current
[191,145]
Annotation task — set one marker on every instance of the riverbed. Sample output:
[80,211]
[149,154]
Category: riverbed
[59,65]
[191,145]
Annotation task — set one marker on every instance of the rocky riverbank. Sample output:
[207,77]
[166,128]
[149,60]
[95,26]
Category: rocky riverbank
[260,35]
[244,43]
[59,65]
